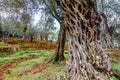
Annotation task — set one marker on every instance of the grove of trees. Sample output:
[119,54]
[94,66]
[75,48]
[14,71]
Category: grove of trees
[85,25]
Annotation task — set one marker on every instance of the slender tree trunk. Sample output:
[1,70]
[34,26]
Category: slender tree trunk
[24,33]
[59,52]
[46,36]
[25,18]
[108,35]
[1,32]
[31,38]
[87,59]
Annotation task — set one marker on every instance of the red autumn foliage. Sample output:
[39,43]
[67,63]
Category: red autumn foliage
[12,41]
[41,45]
[35,44]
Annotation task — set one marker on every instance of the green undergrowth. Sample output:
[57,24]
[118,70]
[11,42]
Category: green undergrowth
[66,56]
[42,55]
[50,72]
[116,67]
[113,78]
[24,52]
[2,44]
[32,61]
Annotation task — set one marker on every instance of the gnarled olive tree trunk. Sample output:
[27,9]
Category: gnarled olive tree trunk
[87,59]
[108,35]
[59,52]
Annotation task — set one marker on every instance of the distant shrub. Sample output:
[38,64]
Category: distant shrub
[13,41]
[43,42]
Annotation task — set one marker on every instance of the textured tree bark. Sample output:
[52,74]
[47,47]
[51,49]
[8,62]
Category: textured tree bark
[108,35]
[59,52]
[87,60]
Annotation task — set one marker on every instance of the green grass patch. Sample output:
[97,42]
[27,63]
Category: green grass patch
[46,72]
[3,44]
[47,52]
[31,76]
[66,56]
[11,78]
[13,70]
[2,60]
[36,76]
[24,52]
[51,70]
[116,67]
[32,61]
[57,69]
[113,78]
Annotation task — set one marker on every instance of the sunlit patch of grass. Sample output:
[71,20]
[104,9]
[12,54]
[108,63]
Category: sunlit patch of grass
[57,69]
[25,52]
[50,70]
[19,69]
[2,44]
[1,60]
[113,78]
[66,56]
[32,61]
[54,78]
[47,53]
[8,56]
[11,58]
[11,78]
[13,70]
[35,76]
[30,76]
[21,53]
[5,54]
[45,72]
[116,67]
